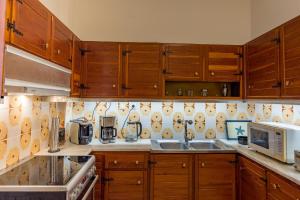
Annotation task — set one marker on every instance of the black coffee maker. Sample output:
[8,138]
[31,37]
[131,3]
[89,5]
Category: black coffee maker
[108,132]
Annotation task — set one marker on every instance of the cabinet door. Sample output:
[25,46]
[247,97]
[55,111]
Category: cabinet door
[281,189]
[215,177]
[125,185]
[291,59]
[171,177]
[76,68]
[141,70]
[62,37]
[2,38]
[262,66]
[99,163]
[101,66]
[183,62]
[32,27]
[252,180]
[224,63]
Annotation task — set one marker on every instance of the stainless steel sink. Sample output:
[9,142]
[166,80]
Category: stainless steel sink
[172,145]
[204,145]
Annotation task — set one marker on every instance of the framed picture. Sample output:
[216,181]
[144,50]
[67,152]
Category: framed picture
[235,128]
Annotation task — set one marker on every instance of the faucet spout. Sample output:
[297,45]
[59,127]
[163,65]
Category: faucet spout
[186,123]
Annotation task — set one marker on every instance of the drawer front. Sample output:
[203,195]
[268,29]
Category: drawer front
[126,160]
[252,166]
[281,189]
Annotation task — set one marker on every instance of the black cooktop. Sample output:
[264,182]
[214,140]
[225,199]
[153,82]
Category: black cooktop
[44,170]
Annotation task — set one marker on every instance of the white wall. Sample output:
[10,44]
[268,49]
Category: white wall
[268,14]
[63,9]
[184,21]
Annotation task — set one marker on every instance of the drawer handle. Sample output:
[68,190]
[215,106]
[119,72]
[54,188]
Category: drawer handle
[137,162]
[202,164]
[58,51]
[183,165]
[115,162]
[114,86]
[276,186]
[155,86]
[139,182]
[196,74]
[212,73]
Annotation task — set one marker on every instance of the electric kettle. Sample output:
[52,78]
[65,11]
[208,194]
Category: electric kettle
[132,136]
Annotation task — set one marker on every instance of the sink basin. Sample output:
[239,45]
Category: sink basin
[204,145]
[172,145]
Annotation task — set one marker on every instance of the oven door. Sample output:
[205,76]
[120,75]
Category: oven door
[88,192]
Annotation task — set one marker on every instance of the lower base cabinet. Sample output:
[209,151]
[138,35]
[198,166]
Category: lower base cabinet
[125,185]
[171,177]
[215,177]
[252,180]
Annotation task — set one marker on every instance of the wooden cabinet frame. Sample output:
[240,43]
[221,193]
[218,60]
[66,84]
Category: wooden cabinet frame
[2,38]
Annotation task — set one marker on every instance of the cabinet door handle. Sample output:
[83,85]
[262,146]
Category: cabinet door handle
[58,51]
[115,162]
[166,52]
[83,87]
[166,72]
[183,165]
[151,162]
[196,74]
[139,182]
[114,86]
[202,164]
[275,186]
[263,179]
[277,85]
[126,52]
[155,86]
[212,73]
[45,45]
[137,162]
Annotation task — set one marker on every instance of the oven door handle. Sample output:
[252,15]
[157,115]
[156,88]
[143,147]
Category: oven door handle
[90,188]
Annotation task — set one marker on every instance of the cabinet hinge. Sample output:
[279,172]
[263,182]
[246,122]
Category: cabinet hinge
[84,51]
[12,26]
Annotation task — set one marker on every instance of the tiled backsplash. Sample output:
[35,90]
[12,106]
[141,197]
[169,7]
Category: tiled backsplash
[159,118]
[24,126]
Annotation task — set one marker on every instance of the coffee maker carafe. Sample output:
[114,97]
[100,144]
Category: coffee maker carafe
[108,132]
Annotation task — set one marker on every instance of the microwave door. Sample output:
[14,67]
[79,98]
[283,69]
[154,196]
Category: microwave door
[260,138]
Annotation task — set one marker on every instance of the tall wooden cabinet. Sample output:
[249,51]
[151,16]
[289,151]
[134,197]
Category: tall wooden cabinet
[29,26]
[183,61]
[141,74]
[61,43]
[215,177]
[290,55]
[262,66]
[101,69]
[171,177]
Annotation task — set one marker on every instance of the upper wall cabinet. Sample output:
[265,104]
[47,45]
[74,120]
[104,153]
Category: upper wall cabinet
[262,66]
[183,62]
[61,52]
[224,63]
[291,59]
[101,69]
[29,26]
[141,72]
[76,68]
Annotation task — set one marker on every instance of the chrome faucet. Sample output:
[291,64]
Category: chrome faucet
[186,122]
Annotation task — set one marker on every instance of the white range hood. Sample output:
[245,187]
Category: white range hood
[28,74]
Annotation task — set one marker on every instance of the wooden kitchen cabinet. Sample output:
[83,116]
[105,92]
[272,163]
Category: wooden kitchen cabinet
[262,66]
[224,63]
[29,27]
[183,62]
[62,42]
[125,185]
[99,163]
[252,180]
[171,177]
[282,189]
[215,177]
[101,69]
[290,54]
[141,70]
[76,68]
[2,39]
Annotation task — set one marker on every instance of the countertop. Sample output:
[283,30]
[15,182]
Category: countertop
[285,170]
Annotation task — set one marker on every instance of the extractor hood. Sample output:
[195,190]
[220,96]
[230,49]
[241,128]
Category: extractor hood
[28,74]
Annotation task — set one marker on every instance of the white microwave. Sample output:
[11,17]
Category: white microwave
[276,140]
